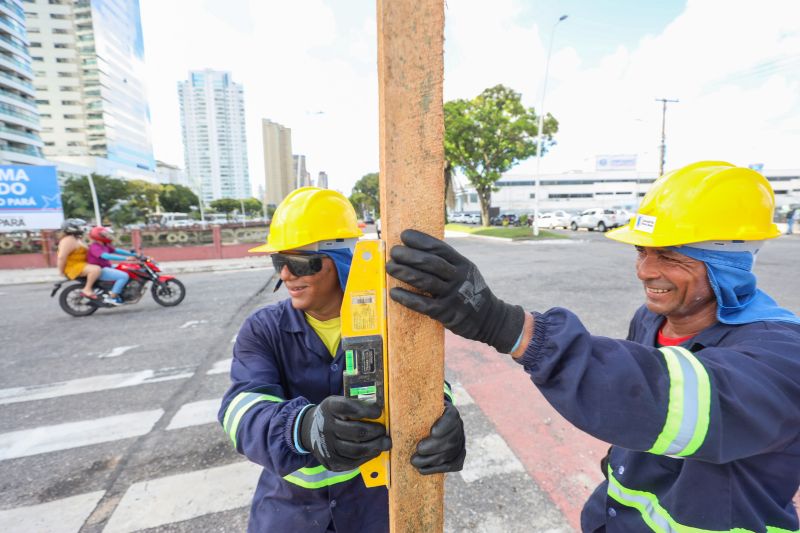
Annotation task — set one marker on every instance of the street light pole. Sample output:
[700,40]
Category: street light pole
[663,145]
[540,132]
[98,220]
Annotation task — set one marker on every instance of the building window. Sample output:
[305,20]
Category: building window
[33,30]
[58,16]
[74,130]
[68,88]
[42,102]
[69,102]
[35,45]
[60,31]
[36,58]
[66,75]
[64,60]
[60,45]
[69,117]
[50,143]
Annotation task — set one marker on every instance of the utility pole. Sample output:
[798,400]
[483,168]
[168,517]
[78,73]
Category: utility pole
[664,102]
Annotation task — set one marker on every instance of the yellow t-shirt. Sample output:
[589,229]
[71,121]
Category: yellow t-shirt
[330,331]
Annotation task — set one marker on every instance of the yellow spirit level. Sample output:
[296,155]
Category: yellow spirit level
[364,342]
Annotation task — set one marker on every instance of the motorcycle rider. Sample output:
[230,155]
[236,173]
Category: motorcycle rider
[72,256]
[101,253]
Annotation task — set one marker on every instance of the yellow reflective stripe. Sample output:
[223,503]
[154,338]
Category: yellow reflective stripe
[238,407]
[448,392]
[656,517]
[688,412]
[319,477]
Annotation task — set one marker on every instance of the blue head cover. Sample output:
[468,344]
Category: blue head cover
[739,301]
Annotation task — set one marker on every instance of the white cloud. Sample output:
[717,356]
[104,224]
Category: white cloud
[734,65]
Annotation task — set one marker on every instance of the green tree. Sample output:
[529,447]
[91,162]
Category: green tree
[177,199]
[76,196]
[488,135]
[253,207]
[225,205]
[366,196]
[140,200]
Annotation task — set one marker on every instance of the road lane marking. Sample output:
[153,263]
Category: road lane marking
[195,414]
[59,516]
[488,456]
[92,384]
[170,499]
[119,350]
[222,366]
[192,323]
[44,439]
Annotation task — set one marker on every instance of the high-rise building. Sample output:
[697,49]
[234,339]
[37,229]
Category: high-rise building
[302,177]
[279,172]
[171,175]
[20,142]
[214,140]
[322,180]
[88,60]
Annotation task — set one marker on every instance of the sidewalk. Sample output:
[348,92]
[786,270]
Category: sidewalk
[51,275]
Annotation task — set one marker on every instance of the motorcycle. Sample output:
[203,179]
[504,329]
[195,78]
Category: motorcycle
[166,290]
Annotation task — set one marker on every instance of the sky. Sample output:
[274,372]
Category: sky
[311,65]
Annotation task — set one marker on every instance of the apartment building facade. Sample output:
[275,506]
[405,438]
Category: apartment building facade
[279,171]
[214,138]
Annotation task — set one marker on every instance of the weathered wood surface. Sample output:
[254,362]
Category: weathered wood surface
[410,76]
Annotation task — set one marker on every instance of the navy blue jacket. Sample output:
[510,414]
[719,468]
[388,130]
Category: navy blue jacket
[706,435]
[280,365]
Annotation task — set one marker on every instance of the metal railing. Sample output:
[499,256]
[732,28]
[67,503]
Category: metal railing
[8,94]
[12,131]
[29,150]
[14,112]
[14,7]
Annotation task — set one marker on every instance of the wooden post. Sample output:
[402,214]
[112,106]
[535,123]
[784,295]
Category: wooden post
[410,74]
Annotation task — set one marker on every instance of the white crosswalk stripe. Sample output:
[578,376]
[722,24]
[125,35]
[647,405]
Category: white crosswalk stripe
[91,384]
[184,496]
[195,414]
[74,434]
[60,516]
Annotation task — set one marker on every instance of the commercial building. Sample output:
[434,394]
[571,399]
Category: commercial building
[20,141]
[322,180]
[279,168]
[576,191]
[302,177]
[167,174]
[88,60]
[214,139]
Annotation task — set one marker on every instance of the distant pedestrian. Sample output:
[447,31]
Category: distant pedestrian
[790,219]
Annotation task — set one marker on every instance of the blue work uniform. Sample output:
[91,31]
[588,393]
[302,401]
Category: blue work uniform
[705,435]
[279,366]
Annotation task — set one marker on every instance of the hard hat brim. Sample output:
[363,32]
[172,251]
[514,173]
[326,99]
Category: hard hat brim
[263,249]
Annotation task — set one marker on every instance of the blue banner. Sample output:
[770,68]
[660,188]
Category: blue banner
[30,198]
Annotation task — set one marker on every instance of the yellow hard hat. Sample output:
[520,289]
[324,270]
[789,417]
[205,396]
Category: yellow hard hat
[705,201]
[309,215]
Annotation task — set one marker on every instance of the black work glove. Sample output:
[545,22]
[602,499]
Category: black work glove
[444,450]
[458,296]
[333,433]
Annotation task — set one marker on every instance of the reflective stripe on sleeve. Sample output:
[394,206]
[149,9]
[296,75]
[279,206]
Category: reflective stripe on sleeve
[656,517]
[318,476]
[689,406]
[239,406]
[448,392]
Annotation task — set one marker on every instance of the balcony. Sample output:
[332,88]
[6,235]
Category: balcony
[13,64]
[15,82]
[14,8]
[10,113]
[27,155]
[20,136]
[28,103]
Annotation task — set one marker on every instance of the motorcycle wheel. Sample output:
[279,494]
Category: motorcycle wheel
[74,303]
[169,293]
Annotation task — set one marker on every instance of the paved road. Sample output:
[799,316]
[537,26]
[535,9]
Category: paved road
[108,423]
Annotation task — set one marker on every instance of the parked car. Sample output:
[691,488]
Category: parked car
[623,217]
[456,217]
[597,218]
[555,219]
[472,218]
[505,219]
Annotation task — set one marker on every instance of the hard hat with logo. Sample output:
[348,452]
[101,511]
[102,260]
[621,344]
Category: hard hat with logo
[705,201]
[310,215]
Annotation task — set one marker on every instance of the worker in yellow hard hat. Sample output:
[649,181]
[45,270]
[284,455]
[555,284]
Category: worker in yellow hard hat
[285,409]
[701,401]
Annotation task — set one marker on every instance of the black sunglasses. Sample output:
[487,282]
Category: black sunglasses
[299,265]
